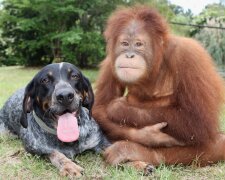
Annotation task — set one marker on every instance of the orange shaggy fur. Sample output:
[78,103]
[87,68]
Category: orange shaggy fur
[182,88]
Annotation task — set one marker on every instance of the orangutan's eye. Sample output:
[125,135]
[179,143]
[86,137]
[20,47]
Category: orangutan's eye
[124,43]
[138,44]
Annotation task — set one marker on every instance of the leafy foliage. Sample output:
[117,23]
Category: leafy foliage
[212,39]
[181,16]
[40,32]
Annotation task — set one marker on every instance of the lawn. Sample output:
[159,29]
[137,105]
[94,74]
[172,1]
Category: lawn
[15,163]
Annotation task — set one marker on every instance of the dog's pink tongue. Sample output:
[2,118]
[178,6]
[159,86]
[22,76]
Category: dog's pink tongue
[67,130]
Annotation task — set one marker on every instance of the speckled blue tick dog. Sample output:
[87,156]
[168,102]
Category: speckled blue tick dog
[52,116]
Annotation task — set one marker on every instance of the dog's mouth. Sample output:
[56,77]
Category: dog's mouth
[67,128]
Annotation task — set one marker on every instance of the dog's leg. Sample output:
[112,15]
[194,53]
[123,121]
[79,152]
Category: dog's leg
[66,166]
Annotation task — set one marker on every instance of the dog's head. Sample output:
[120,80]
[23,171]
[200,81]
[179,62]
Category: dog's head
[57,89]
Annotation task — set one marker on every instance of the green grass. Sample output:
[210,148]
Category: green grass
[15,163]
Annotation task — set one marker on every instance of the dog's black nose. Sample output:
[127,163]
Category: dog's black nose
[65,97]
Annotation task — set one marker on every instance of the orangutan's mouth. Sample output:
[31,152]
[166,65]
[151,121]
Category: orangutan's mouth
[127,67]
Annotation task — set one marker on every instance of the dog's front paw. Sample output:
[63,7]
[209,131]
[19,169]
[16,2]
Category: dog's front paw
[116,153]
[71,169]
[66,166]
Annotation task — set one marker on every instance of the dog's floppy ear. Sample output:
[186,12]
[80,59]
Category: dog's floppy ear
[88,95]
[27,103]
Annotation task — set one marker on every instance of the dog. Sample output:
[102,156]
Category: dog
[52,116]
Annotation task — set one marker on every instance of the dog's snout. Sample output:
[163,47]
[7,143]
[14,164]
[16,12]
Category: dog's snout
[65,96]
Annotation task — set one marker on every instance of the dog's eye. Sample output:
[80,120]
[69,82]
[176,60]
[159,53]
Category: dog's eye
[45,81]
[74,76]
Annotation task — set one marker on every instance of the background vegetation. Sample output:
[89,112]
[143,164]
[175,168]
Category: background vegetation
[38,32]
